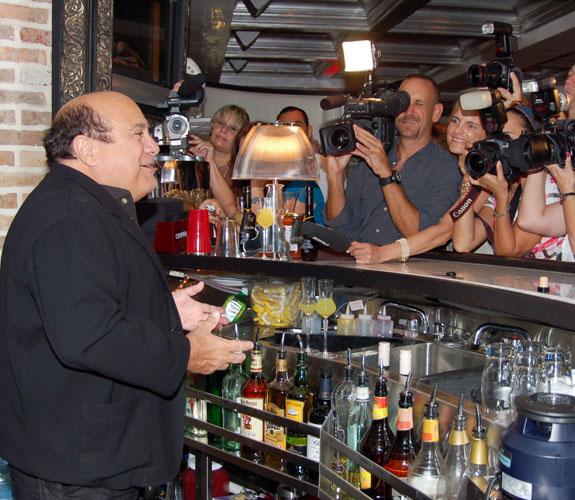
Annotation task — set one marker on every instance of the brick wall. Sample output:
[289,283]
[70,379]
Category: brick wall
[25,100]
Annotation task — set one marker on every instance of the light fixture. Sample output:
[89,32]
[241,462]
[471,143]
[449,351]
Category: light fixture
[358,55]
[278,151]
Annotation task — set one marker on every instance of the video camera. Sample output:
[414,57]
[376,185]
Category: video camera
[171,135]
[497,73]
[373,113]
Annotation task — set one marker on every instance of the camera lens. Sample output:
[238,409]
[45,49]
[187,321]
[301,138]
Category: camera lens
[531,152]
[340,139]
[477,163]
[177,125]
[475,75]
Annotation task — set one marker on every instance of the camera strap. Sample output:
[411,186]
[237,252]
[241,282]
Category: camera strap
[466,203]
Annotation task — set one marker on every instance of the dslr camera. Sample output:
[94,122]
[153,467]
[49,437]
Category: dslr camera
[171,134]
[497,73]
[375,114]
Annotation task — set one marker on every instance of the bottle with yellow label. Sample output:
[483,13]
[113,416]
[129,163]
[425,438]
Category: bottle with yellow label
[425,471]
[299,400]
[378,440]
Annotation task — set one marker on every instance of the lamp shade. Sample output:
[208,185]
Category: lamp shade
[276,151]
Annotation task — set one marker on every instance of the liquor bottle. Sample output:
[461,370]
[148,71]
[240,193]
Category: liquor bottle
[232,390]
[343,400]
[359,422]
[378,440]
[215,414]
[456,458]
[299,400]
[319,412]
[309,246]
[405,448]
[275,435]
[248,225]
[425,471]
[478,465]
[253,394]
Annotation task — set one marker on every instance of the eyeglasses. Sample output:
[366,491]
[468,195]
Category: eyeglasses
[223,125]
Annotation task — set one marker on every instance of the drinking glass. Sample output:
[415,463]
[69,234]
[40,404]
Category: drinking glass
[496,380]
[227,238]
[307,306]
[265,219]
[325,307]
[557,371]
[528,370]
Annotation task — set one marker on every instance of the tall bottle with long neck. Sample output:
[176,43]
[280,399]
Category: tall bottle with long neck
[425,471]
[319,412]
[299,400]
[275,435]
[456,457]
[359,422]
[342,401]
[248,225]
[309,246]
[405,448]
[232,390]
[378,440]
[253,394]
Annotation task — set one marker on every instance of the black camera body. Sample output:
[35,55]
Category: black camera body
[171,134]
[483,156]
[374,114]
[497,73]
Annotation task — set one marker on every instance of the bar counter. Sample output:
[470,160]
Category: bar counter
[507,286]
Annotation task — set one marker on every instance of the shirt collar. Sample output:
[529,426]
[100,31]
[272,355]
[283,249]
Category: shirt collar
[124,198]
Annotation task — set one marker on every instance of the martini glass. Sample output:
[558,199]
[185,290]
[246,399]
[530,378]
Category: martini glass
[325,307]
[307,306]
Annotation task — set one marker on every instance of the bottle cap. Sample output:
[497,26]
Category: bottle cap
[384,352]
[404,362]
[543,284]
[348,314]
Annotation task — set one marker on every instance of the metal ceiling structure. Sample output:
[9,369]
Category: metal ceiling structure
[296,44]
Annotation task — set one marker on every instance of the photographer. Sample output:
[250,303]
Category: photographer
[379,206]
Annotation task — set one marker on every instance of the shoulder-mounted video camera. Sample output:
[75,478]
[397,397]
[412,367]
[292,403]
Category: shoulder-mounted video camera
[171,135]
[375,113]
[497,73]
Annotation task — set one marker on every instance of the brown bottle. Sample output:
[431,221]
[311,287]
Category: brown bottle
[378,441]
[405,448]
[275,403]
[253,394]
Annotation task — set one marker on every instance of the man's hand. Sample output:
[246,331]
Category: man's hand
[371,150]
[336,164]
[365,253]
[209,352]
[192,312]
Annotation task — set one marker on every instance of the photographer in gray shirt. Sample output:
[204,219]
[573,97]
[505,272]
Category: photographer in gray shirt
[395,195]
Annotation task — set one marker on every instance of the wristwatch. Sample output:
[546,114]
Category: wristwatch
[394,177]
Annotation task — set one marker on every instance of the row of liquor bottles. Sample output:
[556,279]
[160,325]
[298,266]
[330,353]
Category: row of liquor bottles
[360,421]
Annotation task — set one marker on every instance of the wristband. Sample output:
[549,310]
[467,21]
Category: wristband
[404,249]
[503,213]
[564,195]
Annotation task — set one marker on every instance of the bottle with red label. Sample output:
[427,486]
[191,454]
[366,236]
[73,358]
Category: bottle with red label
[378,441]
[404,450]
[253,394]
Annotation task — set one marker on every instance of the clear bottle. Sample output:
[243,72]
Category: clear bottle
[232,390]
[383,325]
[342,401]
[405,448]
[346,323]
[299,400]
[319,412]
[253,394]
[478,465]
[364,324]
[359,422]
[275,435]
[425,470]
[378,440]
[456,458]
[309,247]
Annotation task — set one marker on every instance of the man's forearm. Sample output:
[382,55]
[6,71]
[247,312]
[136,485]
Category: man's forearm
[404,214]
[336,195]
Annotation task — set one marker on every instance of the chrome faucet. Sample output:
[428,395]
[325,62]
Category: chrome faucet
[423,327]
[488,327]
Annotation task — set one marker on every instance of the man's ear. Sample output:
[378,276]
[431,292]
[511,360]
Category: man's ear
[84,149]
[437,112]
[310,131]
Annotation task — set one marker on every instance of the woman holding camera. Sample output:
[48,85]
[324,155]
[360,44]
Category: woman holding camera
[495,221]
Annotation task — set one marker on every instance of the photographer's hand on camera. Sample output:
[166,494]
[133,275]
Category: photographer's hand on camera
[371,150]
[203,148]
[515,98]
